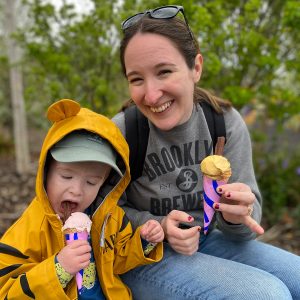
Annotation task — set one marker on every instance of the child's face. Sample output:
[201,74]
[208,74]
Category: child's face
[77,183]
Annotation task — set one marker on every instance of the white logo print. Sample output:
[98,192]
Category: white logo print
[186,180]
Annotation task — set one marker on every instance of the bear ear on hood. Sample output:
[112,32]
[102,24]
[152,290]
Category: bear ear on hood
[62,109]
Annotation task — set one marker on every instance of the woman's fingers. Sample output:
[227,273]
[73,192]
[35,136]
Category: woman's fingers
[236,205]
[239,214]
[186,234]
[185,241]
[178,217]
[240,210]
[253,225]
[244,194]
[171,222]
[235,186]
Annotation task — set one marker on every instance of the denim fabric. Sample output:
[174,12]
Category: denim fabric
[221,269]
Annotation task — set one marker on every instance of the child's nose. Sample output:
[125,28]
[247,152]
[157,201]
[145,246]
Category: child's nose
[76,188]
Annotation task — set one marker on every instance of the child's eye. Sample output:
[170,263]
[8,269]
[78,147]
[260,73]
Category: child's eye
[91,183]
[66,177]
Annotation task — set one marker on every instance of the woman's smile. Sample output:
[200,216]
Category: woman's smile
[161,108]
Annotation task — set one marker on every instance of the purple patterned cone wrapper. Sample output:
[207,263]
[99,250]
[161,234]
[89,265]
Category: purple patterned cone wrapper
[70,237]
[210,196]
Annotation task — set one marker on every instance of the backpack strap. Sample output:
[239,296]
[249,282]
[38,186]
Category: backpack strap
[137,133]
[215,122]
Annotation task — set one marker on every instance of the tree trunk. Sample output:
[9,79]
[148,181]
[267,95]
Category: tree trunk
[16,87]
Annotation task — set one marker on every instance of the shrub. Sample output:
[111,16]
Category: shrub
[278,175]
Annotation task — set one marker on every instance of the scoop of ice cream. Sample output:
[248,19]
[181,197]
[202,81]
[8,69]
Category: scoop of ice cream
[216,167]
[78,221]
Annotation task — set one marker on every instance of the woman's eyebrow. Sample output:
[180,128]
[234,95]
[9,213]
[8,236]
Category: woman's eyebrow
[160,65]
[165,64]
[132,73]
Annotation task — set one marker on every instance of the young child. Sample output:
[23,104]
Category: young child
[83,166]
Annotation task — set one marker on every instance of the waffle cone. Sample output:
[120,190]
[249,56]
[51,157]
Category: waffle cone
[73,230]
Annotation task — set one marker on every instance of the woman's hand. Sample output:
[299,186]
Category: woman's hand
[184,241]
[236,205]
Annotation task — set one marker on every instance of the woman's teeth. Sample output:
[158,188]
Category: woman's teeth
[161,108]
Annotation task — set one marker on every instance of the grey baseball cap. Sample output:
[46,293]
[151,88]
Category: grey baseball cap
[85,146]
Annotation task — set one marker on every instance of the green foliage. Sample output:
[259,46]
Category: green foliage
[239,95]
[247,46]
[277,173]
[71,56]
[251,53]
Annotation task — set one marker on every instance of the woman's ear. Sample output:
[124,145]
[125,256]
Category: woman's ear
[198,67]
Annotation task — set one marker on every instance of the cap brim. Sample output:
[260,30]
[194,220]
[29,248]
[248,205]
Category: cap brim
[68,155]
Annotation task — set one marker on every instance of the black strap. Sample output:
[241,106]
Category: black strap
[137,134]
[215,122]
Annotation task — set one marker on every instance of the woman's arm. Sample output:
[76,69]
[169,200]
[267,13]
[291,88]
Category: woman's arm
[242,184]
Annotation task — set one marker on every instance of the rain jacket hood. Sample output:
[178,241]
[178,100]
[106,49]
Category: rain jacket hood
[29,247]
[67,116]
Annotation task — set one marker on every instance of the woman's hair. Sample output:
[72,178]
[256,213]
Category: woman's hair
[177,32]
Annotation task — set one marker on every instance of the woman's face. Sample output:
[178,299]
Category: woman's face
[160,82]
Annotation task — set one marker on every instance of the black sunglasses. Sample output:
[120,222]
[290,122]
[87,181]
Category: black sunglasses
[163,12]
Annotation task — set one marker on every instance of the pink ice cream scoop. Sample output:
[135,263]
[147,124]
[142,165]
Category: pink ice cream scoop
[216,171]
[77,227]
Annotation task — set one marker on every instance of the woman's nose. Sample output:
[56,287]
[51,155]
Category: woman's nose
[152,93]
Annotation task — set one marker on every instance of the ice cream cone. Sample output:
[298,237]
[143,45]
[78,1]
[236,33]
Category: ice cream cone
[216,171]
[77,227]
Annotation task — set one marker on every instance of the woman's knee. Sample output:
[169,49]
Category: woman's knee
[265,287]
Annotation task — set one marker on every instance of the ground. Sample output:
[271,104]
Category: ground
[16,191]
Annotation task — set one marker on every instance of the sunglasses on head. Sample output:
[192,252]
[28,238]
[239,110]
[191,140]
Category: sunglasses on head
[163,12]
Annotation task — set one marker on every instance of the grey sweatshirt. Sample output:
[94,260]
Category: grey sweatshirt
[172,179]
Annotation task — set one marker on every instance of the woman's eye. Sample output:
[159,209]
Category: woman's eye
[134,80]
[164,72]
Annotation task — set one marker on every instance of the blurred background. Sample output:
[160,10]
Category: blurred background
[57,49]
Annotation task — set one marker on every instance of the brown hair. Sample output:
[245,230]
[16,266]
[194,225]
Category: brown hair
[177,32]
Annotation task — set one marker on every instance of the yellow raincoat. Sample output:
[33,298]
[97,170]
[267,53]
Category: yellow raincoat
[28,248]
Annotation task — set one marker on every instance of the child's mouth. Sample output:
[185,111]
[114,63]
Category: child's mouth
[68,207]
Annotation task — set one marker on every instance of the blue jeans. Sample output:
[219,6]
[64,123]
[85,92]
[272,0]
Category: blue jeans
[221,269]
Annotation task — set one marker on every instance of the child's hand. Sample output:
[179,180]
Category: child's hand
[152,232]
[75,256]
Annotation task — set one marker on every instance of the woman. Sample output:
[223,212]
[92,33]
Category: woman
[162,63]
